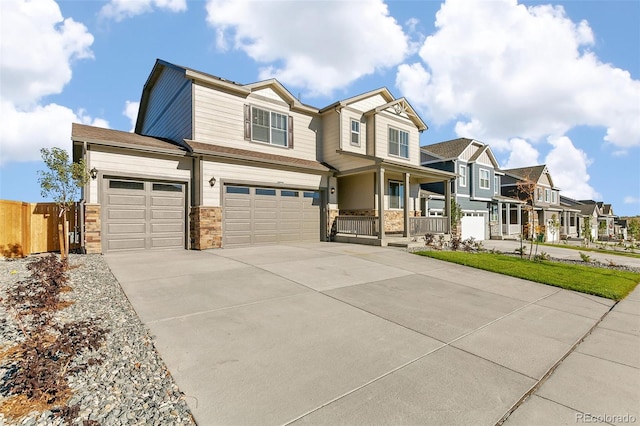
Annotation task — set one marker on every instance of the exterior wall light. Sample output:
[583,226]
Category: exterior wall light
[332,190]
[212,181]
[93,173]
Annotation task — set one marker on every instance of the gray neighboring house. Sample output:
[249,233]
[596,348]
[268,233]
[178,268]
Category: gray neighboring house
[486,213]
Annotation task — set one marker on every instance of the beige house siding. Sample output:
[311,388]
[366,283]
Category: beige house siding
[219,120]
[244,174]
[168,112]
[347,115]
[356,192]
[117,162]
[383,122]
[368,104]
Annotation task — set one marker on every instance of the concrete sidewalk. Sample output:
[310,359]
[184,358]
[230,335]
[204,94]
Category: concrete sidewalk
[599,382]
[560,252]
[331,333]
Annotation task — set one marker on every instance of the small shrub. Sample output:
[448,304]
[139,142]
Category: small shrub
[542,256]
[429,238]
[455,243]
[585,257]
[612,263]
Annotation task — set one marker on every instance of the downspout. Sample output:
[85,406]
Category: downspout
[85,190]
[339,126]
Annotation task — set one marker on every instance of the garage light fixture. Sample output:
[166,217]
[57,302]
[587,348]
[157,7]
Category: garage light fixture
[94,173]
[212,181]
[333,190]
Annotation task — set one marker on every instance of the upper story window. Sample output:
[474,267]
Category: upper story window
[268,127]
[398,143]
[547,195]
[539,191]
[355,132]
[462,171]
[496,184]
[484,179]
[554,197]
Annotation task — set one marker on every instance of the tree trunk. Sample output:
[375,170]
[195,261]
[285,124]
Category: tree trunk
[66,237]
[61,239]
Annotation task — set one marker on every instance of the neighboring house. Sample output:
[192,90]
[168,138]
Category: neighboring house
[573,218]
[214,163]
[544,212]
[604,219]
[486,213]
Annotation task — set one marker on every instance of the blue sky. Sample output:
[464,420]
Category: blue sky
[554,83]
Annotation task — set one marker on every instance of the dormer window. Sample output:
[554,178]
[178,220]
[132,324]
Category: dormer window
[355,132]
[398,143]
[484,179]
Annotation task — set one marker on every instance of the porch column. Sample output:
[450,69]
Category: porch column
[406,204]
[447,204]
[507,218]
[381,204]
[520,218]
[500,218]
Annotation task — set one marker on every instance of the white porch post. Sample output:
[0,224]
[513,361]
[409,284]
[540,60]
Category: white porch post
[500,218]
[447,204]
[520,217]
[381,205]
[406,204]
[507,217]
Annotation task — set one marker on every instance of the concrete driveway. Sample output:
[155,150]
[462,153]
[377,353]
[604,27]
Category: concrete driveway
[332,333]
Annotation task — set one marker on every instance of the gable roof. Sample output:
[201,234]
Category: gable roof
[533,173]
[401,105]
[117,138]
[382,91]
[448,150]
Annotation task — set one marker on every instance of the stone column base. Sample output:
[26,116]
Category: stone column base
[206,227]
[92,229]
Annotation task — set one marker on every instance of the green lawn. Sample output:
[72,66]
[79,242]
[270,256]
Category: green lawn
[603,282]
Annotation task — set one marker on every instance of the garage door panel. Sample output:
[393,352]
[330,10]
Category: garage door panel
[270,203]
[265,238]
[127,214]
[167,201]
[165,242]
[125,244]
[126,228]
[167,214]
[236,202]
[265,214]
[265,226]
[166,227]
[126,200]
[473,226]
[237,214]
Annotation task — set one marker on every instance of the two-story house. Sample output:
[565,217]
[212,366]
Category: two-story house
[215,163]
[486,213]
[535,186]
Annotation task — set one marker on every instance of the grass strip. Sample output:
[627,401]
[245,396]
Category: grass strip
[603,282]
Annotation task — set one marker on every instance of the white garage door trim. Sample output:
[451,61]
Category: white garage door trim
[473,226]
[254,215]
[143,214]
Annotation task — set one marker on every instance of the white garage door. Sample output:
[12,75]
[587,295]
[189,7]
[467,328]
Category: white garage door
[473,226]
[255,215]
[141,214]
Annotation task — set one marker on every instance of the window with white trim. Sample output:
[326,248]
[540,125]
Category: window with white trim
[484,179]
[554,197]
[398,143]
[355,132]
[396,195]
[547,195]
[462,171]
[496,184]
[269,127]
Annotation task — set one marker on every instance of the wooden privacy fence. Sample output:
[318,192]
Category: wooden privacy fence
[27,228]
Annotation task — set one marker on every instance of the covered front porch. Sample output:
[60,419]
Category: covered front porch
[381,204]
[506,223]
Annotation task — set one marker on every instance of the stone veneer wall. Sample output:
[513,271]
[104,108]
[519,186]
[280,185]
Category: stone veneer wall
[92,228]
[393,219]
[206,227]
[333,213]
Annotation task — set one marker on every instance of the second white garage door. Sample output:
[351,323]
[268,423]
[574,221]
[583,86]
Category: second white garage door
[473,226]
[256,215]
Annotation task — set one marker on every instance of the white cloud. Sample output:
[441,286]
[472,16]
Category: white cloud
[320,46]
[631,200]
[24,133]
[38,47]
[518,71]
[523,154]
[131,112]
[568,167]
[119,10]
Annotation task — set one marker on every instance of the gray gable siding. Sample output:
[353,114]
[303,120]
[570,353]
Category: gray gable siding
[465,190]
[476,191]
[438,187]
[169,111]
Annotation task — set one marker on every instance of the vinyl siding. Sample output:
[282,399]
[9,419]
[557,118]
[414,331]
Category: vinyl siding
[484,159]
[219,120]
[168,113]
[347,116]
[368,104]
[237,173]
[357,192]
[386,120]
[475,181]
[115,162]
[331,143]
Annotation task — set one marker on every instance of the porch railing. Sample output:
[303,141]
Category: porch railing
[423,225]
[511,229]
[357,225]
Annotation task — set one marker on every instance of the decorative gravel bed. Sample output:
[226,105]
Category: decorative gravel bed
[131,385]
